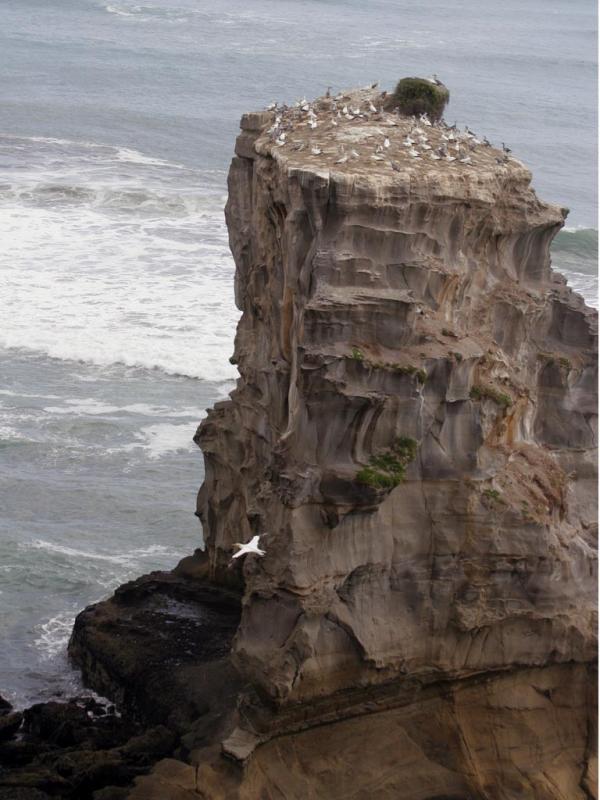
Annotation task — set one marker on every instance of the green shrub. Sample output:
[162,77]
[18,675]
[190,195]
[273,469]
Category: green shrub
[414,96]
[480,392]
[492,494]
[357,354]
[388,469]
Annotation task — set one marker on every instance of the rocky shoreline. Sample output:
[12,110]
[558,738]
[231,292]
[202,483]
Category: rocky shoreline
[413,432]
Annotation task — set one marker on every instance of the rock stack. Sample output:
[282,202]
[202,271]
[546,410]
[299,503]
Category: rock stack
[413,432]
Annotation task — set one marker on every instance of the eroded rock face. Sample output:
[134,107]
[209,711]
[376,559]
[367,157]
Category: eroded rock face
[412,301]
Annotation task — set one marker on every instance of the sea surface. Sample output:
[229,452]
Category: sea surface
[117,123]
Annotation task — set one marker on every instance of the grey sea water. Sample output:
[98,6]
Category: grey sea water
[117,121]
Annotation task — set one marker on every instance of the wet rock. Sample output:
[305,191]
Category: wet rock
[160,647]
[5,706]
[9,725]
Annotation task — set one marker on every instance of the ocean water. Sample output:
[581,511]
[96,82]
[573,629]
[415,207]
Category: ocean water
[117,123]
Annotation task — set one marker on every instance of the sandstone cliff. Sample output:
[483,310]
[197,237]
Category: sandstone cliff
[413,432]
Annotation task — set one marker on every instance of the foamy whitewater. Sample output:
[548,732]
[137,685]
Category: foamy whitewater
[117,123]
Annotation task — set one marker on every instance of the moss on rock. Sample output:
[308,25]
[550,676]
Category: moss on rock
[414,96]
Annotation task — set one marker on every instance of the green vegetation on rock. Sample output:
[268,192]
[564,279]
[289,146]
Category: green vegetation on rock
[388,469]
[357,354]
[414,96]
[480,392]
[492,494]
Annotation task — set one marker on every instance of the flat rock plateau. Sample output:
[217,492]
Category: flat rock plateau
[413,434]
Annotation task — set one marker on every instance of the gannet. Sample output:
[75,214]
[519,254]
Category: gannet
[465,160]
[434,156]
[412,152]
[372,108]
[354,154]
[316,151]
[450,158]
[425,147]
[312,123]
[386,142]
[408,142]
[271,106]
[342,159]
[249,547]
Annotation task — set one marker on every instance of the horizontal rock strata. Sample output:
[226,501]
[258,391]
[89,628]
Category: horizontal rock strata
[413,434]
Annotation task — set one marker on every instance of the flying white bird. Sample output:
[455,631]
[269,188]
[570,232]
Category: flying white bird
[249,547]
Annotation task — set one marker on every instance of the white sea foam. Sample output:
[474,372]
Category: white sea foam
[162,438]
[53,635]
[110,256]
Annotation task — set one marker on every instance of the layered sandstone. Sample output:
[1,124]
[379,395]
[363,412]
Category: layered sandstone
[434,637]
[381,303]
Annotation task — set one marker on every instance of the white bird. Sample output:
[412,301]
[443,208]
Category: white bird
[342,159]
[434,156]
[450,158]
[316,151]
[249,547]
[271,106]
[465,160]
[354,154]
[333,122]
[414,153]
[372,108]
[345,110]
[425,147]
[377,157]
[408,142]
[425,120]
[312,124]
[386,142]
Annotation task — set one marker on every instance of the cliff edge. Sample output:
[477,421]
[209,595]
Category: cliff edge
[413,433]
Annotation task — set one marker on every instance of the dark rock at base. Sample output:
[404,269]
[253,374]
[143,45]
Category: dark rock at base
[111,793]
[17,753]
[19,793]
[9,725]
[5,706]
[160,648]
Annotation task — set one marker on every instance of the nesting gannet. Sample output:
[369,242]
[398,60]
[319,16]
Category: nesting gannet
[372,108]
[377,157]
[271,106]
[334,122]
[316,151]
[425,120]
[450,158]
[425,147]
[249,547]
[342,159]
[465,160]
[408,142]
[412,152]
[434,156]
[354,154]
[312,123]
[386,142]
